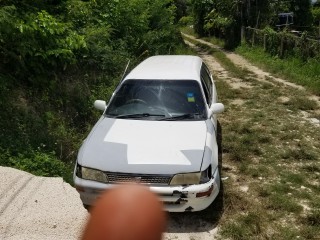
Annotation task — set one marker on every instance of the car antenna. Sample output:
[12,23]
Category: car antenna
[125,71]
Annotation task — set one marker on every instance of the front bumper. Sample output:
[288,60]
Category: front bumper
[175,198]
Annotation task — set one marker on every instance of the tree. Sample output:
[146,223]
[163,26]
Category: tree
[56,56]
[200,9]
[181,9]
[224,20]
[316,15]
[302,13]
[34,44]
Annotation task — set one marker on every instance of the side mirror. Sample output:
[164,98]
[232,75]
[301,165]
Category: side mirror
[216,108]
[100,105]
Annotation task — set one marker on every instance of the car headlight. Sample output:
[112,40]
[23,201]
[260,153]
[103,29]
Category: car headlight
[206,175]
[192,178]
[186,178]
[91,174]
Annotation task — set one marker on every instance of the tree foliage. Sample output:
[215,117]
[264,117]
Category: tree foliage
[36,43]
[316,16]
[58,56]
[225,18]
[43,38]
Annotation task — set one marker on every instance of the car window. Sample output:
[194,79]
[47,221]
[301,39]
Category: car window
[158,97]
[206,92]
[207,83]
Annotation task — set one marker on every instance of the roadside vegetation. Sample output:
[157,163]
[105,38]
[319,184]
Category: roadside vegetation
[270,162]
[305,73]
[271,156]
[56,58]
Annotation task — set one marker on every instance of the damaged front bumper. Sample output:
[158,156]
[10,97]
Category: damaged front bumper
[189,198]
[175,198]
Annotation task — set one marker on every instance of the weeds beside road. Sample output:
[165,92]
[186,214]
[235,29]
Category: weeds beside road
[271,154]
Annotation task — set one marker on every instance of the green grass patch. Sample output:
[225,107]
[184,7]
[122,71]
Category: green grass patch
[264,192]
[281,188]
[189,30]
[312,218]
[312,168]
[270,152]
[303,73]
[234,201]
[222,59]
[299,153]
[309,232]
[242,141]
[301,103]
[257,171]
[226,92]
[285,233]
[215,41]
[295,178]
[38,163]
[284,203]
[228,64]
[248,226]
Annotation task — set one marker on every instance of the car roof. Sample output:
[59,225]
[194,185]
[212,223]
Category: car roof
[168,67]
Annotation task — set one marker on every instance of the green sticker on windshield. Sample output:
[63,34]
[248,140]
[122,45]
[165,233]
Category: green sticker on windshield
[190,97]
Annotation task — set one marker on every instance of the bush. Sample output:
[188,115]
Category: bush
[58,57]
[186,21]
[37,163]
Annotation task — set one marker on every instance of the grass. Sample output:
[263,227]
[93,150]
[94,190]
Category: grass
[223,60]
[313,218]
[283,203]
[301,103]
[215,41]
[295,70]
[188,30]
[272,150]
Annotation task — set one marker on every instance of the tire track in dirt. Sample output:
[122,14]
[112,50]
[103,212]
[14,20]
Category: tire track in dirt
[197,225]
[269,111]
[11,191]
[243,63]
[15,204]
[217,70]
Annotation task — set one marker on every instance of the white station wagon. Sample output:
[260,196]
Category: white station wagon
[158,129]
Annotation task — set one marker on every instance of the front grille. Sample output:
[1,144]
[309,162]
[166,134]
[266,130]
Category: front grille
[140,178]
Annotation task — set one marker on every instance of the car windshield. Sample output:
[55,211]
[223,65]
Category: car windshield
[158,100]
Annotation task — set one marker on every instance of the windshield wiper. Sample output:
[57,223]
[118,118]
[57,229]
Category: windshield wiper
[139,115]
[181,117]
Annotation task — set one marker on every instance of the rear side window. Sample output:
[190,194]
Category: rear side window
[206,83]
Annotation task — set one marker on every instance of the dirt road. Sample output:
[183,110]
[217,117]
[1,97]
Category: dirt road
[253,71]
[271,151]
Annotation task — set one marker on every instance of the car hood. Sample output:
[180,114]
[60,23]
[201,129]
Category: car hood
[146,147]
